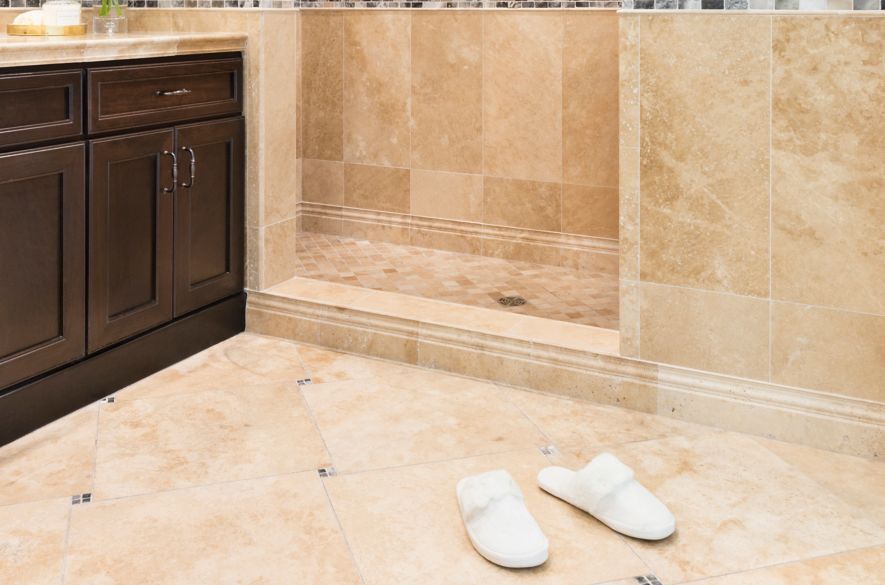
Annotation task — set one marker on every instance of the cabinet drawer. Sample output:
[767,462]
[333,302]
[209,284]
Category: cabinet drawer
[38,107]
[147,95]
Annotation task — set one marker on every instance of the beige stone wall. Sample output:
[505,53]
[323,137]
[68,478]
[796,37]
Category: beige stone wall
[271,88]
[489,132]
[753,196]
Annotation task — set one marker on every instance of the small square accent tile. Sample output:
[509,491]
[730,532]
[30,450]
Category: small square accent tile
[81,499]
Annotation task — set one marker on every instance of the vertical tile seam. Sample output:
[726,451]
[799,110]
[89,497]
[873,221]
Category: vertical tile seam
[770,194]
[638,171]
[482,127]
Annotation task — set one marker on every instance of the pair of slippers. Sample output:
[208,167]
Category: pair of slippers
[503,530]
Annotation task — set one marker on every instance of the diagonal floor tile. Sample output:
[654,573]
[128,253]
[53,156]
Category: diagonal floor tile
[54,461]
[852,568]
[583,429]
[162,443]
[32,541]
[738,507]
[376,423]
[239,361]
[856,480]
[331,366]
[276,531]
[404,526]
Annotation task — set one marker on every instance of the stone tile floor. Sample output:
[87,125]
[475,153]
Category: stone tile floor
[553,292]
[206,473]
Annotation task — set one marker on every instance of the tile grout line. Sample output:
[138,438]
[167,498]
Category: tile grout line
[770,192]
[64,558]
[341,530]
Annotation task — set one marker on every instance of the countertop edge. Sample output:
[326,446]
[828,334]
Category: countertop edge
[23,51]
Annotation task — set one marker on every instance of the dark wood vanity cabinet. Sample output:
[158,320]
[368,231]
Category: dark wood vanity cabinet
[42,260]
[121,249]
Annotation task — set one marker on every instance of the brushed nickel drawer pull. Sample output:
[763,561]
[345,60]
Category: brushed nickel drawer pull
[172,92]
[193,167]
[174,172]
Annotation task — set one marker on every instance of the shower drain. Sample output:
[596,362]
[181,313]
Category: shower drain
[511,301]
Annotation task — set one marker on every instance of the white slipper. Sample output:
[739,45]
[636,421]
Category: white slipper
[498,523]
[607,490]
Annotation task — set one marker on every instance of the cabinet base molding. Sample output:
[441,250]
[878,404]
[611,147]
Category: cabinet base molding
[40,401]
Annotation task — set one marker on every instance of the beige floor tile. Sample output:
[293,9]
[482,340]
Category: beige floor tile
[858,481]
[852,568]
[32,541]
[54,461]
[415,418]
[239,361]
[156,444]
[276,531]
[331,366]
[738,507]
[580,430]
[404,526]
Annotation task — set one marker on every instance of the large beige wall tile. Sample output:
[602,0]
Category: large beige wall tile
[447,91]
[628,210]
[526,204]
[280,95]
[376,87]
[522,95]
[323,181]
[446,195]
[704,330]
[590,98]
[590,211]
[322,84]
[278,258]
[828,243]
[373,187]
[828,350]
[628,59]
[705,151]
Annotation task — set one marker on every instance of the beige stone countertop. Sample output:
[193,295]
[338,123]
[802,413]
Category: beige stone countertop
[17,51]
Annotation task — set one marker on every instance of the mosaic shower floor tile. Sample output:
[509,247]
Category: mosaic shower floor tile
[553,292]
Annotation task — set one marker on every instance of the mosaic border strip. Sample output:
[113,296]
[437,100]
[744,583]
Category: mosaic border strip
[822,5]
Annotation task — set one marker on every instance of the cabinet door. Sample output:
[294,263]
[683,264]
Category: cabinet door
[209,213]
[130,235]
[42,260]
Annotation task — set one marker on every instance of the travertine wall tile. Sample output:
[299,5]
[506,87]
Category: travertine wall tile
[704,330]
[522,95]
[323,181]
[278,259]
[591,211]
[322,84]
[446,195]
[376,87]
[628,95]
[526,204]
[447,91]
[824,349]
[590,99]
[628,209]
[705,151]
[628,318]
[374,187]
[279,92]
[828,243]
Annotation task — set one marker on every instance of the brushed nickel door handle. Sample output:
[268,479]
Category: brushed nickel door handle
[193,167]
[172,92]
[174,172]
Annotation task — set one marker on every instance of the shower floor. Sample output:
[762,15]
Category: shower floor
[553,292]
